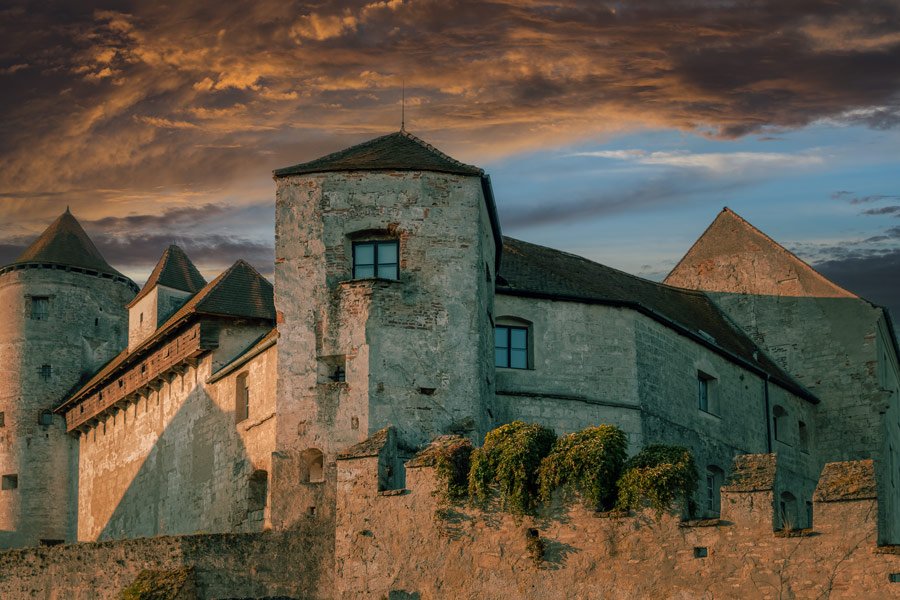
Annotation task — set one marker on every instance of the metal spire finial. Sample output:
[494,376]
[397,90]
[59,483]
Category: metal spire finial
[403,105]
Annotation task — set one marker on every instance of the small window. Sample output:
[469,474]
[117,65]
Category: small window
[46,418]
[779,418]
[257,491]
[511,347]
[376,259]
[701,551]
[9,482]
[2,419]
[45,371]
[241,398]
[803,436]
[40,308]
[707,399]
[141,320]
[715,478]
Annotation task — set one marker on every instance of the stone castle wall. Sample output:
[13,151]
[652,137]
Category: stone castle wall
[175,462]
[415,353]
[407,545]
[284,565]
[40,362]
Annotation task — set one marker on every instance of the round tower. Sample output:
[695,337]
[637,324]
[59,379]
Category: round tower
[62,317]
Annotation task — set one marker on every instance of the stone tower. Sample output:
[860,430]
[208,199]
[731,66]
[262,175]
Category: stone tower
[386,257]
[63,316]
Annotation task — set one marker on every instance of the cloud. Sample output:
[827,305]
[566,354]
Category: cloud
[884,210]
[854,199]
[714,162]
[873,277]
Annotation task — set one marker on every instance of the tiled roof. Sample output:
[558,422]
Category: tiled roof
[371,446]
[531,270]
[65,243]
[240,291]
[400,151]
[174,270]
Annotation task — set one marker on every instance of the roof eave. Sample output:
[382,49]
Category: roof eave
[791,386]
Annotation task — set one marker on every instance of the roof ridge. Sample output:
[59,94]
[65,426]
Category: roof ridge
[175,270]
[778,247]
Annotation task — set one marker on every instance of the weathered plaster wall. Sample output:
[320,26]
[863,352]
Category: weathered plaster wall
[84,328]
[667,371]
[417,352]
[584,368]
[390,545]
[284,565]
[175,461]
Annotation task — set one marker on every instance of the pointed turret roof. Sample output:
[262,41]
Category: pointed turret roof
[399,151]
[734,256]
[174,270]
[65,243]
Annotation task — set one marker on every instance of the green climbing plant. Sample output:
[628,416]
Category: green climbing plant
[659,476]
[507,465]
[452,461]
[588,462]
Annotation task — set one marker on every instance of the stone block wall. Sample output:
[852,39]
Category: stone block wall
[175,461]
[284,565]
[410,545]
[40,362]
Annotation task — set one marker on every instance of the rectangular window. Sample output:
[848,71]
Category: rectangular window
[9,482]
[376,259]
[241,398]
[40,308]
[511,347]
[706,393]
[2,419]
[45,371]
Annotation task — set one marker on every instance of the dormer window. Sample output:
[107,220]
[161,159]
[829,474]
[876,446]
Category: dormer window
[376,259]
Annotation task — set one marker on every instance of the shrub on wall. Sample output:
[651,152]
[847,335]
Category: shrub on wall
[507,465]
[659,476]
[452,461]
[588,462]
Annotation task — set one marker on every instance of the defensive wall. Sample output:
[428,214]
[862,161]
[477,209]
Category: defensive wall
[406,543]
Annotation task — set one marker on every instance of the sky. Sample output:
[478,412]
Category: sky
[614,130]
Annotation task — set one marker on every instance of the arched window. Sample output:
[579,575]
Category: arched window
[313,466]
[788,511]
[779,420]
[715,478]
[241,398]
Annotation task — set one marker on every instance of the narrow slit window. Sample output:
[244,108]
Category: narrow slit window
[376,260]
[511,347]
[241,398]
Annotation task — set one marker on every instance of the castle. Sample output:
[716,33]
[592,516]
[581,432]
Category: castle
[400,313]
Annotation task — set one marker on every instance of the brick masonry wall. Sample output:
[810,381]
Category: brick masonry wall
[391,545]
[226,566]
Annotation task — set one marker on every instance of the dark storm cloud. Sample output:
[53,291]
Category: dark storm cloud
[873,277]
[884,210]
[134,108]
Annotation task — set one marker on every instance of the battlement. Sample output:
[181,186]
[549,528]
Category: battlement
[423,546]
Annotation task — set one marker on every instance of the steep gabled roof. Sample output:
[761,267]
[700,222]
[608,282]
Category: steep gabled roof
[734,256]
[174,270]
[537,271]
[65,243]
[240,291]
[399,151]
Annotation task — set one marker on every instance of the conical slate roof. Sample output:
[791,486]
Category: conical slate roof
[174,270]
[65,243]
[734,256]
[399,151]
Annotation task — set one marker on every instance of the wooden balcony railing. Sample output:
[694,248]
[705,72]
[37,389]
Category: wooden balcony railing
[138,376]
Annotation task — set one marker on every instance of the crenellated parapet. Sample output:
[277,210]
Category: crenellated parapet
[410,541]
